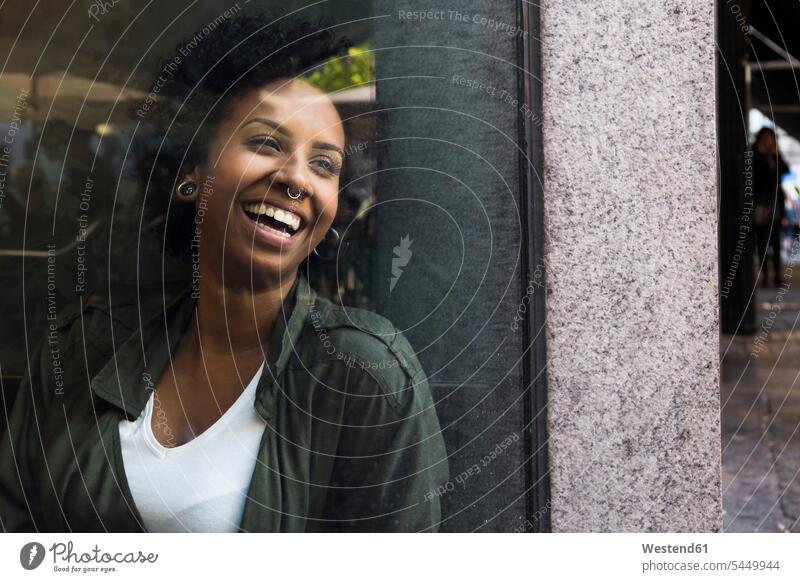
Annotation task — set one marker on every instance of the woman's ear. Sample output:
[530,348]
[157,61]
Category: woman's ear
[186,188]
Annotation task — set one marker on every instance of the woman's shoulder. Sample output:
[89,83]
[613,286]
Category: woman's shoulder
[367,344]
[360,332]
[123,304]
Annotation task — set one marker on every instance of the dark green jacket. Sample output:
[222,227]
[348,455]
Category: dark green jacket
[352,441]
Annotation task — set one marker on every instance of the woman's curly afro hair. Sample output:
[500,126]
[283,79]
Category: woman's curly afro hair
[192,88]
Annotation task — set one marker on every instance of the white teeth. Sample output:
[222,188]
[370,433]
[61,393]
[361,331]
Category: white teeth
[288,218]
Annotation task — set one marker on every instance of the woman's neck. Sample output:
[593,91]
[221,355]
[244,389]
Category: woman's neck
[238,319]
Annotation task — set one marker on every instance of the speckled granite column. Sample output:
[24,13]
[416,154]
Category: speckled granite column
[630,194]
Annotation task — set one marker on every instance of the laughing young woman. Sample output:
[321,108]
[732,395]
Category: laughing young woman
[244,402]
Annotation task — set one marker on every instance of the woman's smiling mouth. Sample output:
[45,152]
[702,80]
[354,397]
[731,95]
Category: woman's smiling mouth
[276,225]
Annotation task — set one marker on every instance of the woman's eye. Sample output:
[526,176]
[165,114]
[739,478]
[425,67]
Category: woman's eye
[327,165]
[261,142]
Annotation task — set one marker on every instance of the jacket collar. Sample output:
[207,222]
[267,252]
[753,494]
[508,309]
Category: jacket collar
[129,376]
[283,343]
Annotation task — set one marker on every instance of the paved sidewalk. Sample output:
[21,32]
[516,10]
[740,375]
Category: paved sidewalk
[760,392]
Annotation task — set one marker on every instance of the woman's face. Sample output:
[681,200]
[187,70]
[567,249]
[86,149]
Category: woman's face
[286,134]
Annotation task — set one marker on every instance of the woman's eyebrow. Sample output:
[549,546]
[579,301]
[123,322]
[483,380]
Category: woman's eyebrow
[276,126]
[329,146]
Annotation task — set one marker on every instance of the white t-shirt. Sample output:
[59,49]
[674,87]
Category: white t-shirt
[200,486]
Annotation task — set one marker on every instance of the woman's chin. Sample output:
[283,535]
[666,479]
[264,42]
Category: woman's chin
[270,267]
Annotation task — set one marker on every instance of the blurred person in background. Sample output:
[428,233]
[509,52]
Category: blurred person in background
[768,167]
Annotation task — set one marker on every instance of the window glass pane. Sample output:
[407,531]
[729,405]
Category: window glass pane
[431,230]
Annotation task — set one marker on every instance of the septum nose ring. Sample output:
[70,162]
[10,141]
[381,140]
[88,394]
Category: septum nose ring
[295,196]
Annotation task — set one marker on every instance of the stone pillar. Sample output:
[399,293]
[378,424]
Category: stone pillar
[631,228]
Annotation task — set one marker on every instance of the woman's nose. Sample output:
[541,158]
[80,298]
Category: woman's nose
[294,175]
